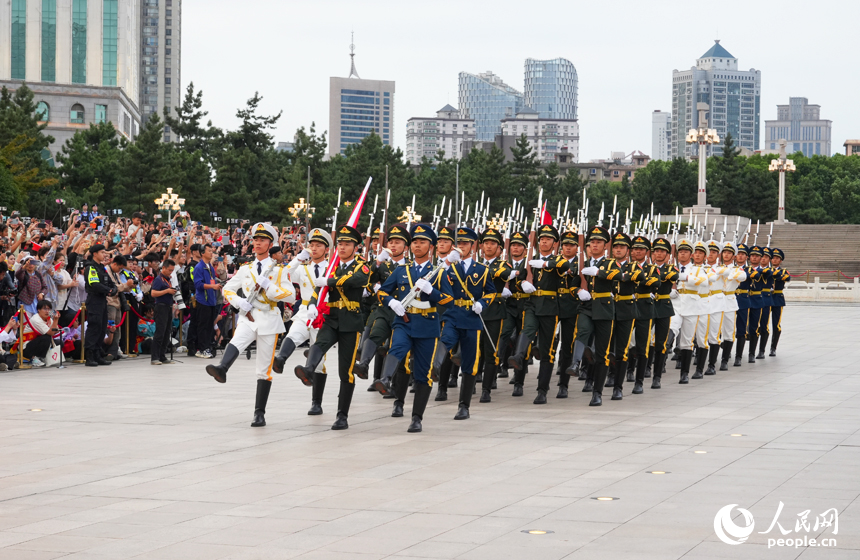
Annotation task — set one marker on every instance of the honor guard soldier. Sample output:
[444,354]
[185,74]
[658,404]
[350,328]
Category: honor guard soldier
[716,304]
[417,325]
[731,277]
[757,281]
[378,326]
[625,310]
[663,309]
[568,307]
[446,374]
[343,324]
[473,291]
[766,301]
[496,313]
[541,311]
[597,309]
[516,304]
[689,305]
[646,294]
[374,244]
[700,253]
[304,270]
[780,278]
[264,283]
[742,297]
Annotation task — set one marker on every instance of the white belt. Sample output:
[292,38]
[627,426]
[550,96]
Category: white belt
[419,304]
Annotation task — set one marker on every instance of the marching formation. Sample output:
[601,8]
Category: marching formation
[461,309]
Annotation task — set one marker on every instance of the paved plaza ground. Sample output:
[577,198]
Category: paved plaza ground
[137,461]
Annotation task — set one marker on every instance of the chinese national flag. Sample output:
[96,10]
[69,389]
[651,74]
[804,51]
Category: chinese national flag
[545,217]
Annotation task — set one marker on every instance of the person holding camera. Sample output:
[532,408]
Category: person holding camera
[99,287]
[117,304]
[9,334]
[162,291]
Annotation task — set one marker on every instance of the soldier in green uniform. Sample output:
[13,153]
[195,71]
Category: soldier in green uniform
[663,310]
[344,323]
[541,313]
[646,294]
[625,310]
[516,303]
[496,313]
[568,307]
[597,309]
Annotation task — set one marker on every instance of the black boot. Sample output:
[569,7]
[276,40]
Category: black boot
[368,351]
[631,368]
[344,399]
[727,354]
[305,373]
[753,348]
[377,367]
[641,362]
[263,388]
[685,358]
[518,359]
[489,382]
[659,362]
[419,404]
[563,377]
[518,390]
[317,394]
[219,372]
[287,348]
[773,343]
[762,345]
[599,380]
[385,383]
[649,363]
[544,378]
[713,352]
[701,356]
[466,386]
[739,351]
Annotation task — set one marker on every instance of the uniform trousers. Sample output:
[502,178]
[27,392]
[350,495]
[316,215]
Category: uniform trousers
[715,325]
[752,324]
[423,352]
[96,327]
[727,329]
[567,331]
[642,336]
[491,358]
[763,327]
[776,321]
[347,348]
[544,326]
[602,331]
[266,348]
[741,319]
[702,324]
[300,331]
[622,333]
[686,330]
[470,351]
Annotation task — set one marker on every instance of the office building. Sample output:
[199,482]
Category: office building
[547,137]
[80,58]
[802,127]
[551,88]
[447,131]
[734,97]
[487,99]
[852,147]
[661,135]
[160,59]
[357,107]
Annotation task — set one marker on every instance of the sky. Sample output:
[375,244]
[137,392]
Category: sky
[624,53]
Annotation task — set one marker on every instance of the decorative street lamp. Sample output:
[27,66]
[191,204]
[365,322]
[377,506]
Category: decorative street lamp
[171,202]
[703,136]
[298,209]
[781,165]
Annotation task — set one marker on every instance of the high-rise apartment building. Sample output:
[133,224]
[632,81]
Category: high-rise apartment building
[661,135]
[734,97]
[447,131]
[358,107]
[802,126]
[547,137]
[160,58]
[487,99]
[551,88]
[80,58]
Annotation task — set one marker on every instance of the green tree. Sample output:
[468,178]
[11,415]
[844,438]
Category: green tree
[524,169]
[92,155]
[149,167]
[724,178]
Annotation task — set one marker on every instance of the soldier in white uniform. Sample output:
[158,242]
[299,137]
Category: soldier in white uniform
[688,305]
[716,304]
[309,264]
[732,276]
[259,316]
[700,251]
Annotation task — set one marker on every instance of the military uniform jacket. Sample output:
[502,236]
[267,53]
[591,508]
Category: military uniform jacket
[547,281]
[267,317]
[568,303]
[304,275]
[663,307]
[468,286]
[601,306]
[99,285]
[517,301]
[500,273]
[345,288]
[625,300]
[780,277]
[742,293]
[693,292]
[731,277]
[756,276]
[424,313]
[648,285]
[767,287]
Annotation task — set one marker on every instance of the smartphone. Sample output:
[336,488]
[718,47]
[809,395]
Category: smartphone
[111,323]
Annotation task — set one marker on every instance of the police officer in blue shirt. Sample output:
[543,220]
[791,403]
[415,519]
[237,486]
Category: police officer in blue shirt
[417,327]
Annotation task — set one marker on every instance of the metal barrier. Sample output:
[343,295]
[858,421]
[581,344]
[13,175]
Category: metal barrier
[827,292]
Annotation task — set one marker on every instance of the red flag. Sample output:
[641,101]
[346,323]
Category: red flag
[545,217]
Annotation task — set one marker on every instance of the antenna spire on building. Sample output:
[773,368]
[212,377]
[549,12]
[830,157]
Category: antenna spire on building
[352,70]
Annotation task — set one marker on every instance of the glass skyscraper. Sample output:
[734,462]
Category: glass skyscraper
[487,100]
[551,88]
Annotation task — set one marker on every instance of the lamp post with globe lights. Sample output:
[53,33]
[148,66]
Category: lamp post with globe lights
[171,202]
[781,165]
[704,137]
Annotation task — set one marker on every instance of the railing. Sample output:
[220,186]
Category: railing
[829,292]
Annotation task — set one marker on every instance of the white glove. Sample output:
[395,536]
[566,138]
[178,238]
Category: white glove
[653,296]
[397,307]
[312,313]
[304,255]
[245,306]
[528,287]
[583,295]
[590,270]
[383,256]
[506,292]
[264,282]
[321,281]
[477,307]
[537,263]
[138,297]
[725,271]
[682,276]
[376,287]
[514,274]
[365,293]
[453,257]
[424,286]
[673,294]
